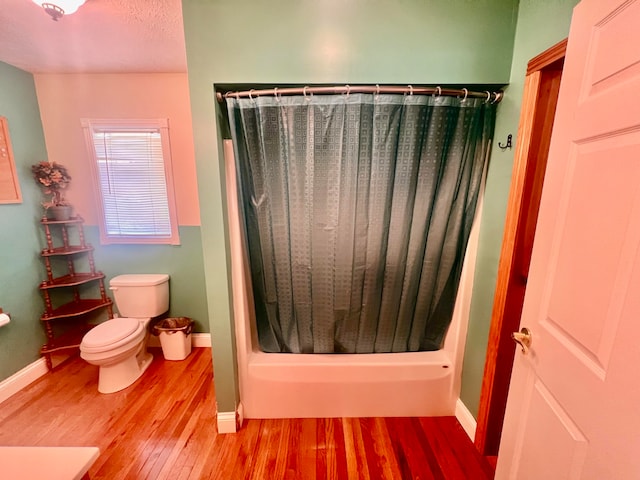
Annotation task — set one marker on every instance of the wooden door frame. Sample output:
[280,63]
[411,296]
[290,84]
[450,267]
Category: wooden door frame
[501,348]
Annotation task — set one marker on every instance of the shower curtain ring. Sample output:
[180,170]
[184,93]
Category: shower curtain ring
[348,90]
[410,90]
[377,91]
[304,92]
[466,92]
[439,90]
[488,96]
[275,94]
[250,97]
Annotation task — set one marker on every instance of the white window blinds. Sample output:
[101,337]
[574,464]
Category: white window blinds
[133,175]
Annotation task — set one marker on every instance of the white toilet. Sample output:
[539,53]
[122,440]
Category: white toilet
[119,346]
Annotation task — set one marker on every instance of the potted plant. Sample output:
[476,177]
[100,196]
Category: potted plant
[53,178]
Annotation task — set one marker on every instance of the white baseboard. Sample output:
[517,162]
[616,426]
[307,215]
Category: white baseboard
[466,419]
[227,422]
[240,417]
[197,340]
[200,340]
[22,378]
[231,422]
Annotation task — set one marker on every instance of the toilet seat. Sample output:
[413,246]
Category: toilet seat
[112,334]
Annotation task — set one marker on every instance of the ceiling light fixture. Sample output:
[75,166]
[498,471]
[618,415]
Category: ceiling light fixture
[60,7]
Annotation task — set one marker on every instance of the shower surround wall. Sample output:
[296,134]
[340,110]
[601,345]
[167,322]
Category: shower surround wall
[307,42]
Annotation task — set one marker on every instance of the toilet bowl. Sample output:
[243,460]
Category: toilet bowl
[119,346]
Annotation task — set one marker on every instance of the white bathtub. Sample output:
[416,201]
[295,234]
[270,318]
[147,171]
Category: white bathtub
[276,385]
[344,385]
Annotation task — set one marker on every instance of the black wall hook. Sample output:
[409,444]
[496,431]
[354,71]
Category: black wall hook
[508,144]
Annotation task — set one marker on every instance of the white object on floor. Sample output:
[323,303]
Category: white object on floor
[52,463]
[119,346]
[175,345]
[198,340]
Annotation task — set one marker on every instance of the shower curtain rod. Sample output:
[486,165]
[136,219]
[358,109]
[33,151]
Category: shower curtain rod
[494,97]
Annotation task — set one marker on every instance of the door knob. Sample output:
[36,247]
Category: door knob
[522,338]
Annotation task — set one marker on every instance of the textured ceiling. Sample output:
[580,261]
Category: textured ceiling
[102,36]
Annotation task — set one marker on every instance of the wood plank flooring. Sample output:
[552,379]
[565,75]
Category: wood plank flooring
[164,427]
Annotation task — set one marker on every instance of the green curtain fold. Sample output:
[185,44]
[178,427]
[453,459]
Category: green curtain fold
[357,211]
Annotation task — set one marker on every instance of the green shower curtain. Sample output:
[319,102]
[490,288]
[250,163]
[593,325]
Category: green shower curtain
[357,211]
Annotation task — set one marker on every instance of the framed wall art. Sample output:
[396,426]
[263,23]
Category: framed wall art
[9,185]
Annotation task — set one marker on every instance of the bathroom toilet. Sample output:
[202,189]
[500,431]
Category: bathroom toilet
[119,346]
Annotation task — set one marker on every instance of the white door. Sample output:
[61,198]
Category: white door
[574,402]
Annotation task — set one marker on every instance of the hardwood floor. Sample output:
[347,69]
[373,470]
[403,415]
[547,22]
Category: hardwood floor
[164,427]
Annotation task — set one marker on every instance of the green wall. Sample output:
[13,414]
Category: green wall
[21,239]
[330,41]
[541,24]
[182,262]
[21,269]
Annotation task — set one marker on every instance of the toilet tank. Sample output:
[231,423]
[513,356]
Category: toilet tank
[141,295]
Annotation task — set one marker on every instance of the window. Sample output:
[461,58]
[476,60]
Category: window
[132,175]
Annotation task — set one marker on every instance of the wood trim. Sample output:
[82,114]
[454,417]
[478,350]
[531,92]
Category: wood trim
[536,118]
[523,144]
[9,184]
[547,57]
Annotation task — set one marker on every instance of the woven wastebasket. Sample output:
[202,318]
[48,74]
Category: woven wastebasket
[175,337]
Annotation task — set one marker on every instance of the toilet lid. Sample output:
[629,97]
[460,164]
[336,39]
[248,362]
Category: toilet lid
[110,332]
